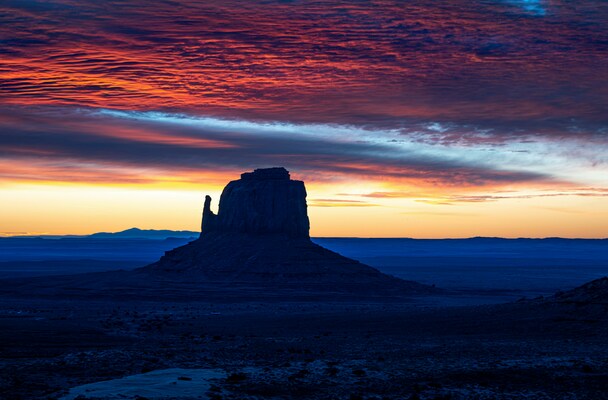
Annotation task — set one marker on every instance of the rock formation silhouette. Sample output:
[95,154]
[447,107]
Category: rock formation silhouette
[265,201]
[260,238]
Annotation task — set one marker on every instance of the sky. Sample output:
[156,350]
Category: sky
[426,119]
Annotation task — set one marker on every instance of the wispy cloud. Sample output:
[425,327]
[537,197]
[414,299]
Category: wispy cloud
[374,62]
[496,197]
[457,94]
[132,146]
[338,203]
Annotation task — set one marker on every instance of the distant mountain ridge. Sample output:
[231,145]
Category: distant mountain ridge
[136,233]
[162,234]
[132,233]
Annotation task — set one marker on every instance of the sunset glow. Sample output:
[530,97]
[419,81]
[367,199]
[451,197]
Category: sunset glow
[405,119]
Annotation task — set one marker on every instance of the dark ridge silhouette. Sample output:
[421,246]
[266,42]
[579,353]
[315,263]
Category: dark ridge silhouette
[136,233]
[594,292]
[260,237]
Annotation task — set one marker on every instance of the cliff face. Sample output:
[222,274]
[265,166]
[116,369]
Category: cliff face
[265,201]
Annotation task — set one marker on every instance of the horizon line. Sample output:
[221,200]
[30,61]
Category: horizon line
[25,235]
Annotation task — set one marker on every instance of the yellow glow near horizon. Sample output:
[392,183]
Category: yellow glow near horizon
[83,209]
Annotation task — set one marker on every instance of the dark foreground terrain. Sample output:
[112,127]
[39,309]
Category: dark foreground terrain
[552,348]
[158,341]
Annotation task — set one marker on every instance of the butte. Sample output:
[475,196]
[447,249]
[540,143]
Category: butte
[257,246]
[260,238]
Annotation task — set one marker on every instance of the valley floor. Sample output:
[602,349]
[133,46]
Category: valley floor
[304,350]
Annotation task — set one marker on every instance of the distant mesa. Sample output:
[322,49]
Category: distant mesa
[260,238]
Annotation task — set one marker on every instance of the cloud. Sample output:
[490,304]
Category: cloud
[485,198]
[455,199]
[131,147]
[339,203]
[478,93]
[484,63]
[446,198]
[395,195]
[441,214]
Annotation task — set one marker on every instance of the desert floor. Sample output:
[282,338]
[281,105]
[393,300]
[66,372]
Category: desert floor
[407,349]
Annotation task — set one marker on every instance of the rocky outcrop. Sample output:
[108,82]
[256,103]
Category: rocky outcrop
[265,201]
[260,239]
